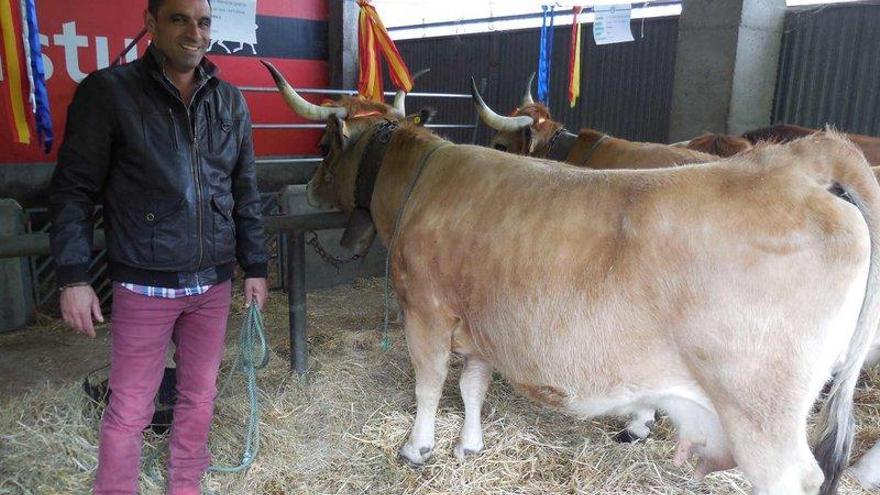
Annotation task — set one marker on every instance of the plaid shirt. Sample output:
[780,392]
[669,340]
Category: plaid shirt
[167,293]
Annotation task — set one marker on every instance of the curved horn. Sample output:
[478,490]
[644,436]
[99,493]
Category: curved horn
[299,105]
[527,98]
[400,96]
[494,120]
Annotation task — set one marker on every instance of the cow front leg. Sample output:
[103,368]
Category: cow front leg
[430,357]
[474,383]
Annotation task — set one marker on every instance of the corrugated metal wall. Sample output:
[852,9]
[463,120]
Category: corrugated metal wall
[829,69]
[626,88]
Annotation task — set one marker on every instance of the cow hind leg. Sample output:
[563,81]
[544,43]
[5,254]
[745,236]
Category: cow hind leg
[429,348]
[474,384]
[775,457]
[767,430]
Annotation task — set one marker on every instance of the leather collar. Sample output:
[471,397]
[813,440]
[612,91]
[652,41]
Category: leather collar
[560,145]
[371,161]
[591,151]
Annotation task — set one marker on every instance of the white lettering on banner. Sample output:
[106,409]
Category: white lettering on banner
[47,62]
[234,20]
[71,42]
[102,53]
[612,24]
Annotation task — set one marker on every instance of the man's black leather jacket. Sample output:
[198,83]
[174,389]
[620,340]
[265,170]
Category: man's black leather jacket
[177,182]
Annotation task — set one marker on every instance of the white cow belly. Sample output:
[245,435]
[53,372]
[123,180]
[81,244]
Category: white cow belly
[624,404]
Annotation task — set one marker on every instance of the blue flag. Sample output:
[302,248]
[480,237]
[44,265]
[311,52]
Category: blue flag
[42,116]
[546,51]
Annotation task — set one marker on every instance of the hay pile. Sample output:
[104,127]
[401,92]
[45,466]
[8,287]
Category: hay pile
[340,431]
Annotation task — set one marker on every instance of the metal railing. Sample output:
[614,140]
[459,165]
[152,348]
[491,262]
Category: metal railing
[349,92]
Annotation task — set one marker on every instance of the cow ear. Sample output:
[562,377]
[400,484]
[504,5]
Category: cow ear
[338,128]
[529,141]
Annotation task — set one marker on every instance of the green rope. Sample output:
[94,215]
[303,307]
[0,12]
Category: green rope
[253,354]
[386,340]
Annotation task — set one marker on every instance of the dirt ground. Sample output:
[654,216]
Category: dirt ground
[338,430]
[50,354]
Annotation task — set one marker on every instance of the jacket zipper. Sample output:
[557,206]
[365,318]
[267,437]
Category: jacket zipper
[192,126]
[197,176]
[173,129]
[210,130]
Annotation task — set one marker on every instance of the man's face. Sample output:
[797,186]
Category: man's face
[181,30]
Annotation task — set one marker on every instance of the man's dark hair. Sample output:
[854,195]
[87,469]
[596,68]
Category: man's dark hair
[153,6]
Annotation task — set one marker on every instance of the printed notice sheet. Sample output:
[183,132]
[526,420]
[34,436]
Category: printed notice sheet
[612,24]
[234,20]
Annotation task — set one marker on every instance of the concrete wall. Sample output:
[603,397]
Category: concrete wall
[726,65]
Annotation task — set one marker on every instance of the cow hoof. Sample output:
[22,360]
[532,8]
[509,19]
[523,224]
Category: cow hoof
[461,452]
[415,457]
[626,436]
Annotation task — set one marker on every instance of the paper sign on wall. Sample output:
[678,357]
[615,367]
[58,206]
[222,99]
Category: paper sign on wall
[612,24]
[234,20]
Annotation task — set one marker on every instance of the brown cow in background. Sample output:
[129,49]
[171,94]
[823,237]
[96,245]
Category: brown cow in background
[725,145]
[783,133]
[717,144]
[531,131]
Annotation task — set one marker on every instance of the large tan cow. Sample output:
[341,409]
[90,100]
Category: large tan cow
[530,131]
[723,293]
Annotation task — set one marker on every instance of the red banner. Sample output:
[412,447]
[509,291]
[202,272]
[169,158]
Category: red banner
[79,37]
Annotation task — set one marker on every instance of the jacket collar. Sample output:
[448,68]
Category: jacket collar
[154,59]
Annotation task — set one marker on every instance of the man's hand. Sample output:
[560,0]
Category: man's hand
[255,288]
[78,306]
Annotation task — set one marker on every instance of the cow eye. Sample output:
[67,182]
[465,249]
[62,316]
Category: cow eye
[500,147]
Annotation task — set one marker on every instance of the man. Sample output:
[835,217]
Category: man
[166,147]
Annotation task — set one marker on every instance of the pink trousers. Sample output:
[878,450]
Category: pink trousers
[142,327]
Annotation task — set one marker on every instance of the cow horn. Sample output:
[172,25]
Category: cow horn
[299,105]
[527,98]
[494,120]
[400,96]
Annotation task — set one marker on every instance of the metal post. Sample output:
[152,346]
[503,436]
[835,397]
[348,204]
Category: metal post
[282,260]
[296,300]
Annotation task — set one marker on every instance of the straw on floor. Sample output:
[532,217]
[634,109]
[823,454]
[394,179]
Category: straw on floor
[339,431]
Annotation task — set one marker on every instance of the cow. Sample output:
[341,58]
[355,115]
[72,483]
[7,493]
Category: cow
[782,133]
[723,293]
[531,131]
[720,145]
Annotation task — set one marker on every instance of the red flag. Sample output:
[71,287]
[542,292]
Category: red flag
[574,62]
[14,86]
[373,38]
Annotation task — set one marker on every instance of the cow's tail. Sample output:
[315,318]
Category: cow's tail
[853,181]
